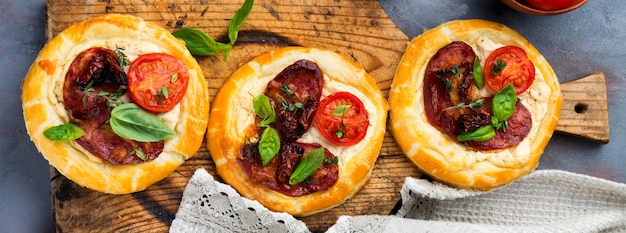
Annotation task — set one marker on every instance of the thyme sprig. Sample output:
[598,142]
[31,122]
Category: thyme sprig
[112,98]
[122,59]
[290,94]
[477,103]
[499,66]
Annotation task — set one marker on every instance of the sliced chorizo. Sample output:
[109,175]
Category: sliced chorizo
[92,76]
[295,94]
[275,175]
[448,84]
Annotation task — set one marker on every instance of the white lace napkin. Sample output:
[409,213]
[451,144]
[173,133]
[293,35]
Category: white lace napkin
[210,206]
[543,201]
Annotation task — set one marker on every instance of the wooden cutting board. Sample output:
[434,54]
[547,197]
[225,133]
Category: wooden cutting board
[359,29]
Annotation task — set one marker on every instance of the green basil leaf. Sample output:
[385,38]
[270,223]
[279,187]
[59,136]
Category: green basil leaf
[339,133]
[238,20]
[269,144]
[131,122]
[139,154]
[340,110]
[165,92]
[499,125]
[264,110]
[64,132]
[495,122]
[504,102]
[481,134]
[479,79]
[174,77]
[198,43]
[308,165]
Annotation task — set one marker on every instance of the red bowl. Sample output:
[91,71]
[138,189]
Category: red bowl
[520,5]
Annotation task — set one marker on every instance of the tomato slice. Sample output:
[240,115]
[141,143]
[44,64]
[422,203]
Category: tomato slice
[509,64]
[342,119]
[157,81]
[550,5]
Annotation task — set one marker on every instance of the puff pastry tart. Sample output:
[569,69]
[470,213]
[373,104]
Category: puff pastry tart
[473,104]
[115,103]
[297,129]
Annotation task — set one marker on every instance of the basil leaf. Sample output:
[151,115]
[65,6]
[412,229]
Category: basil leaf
[198,43]
[131,122]
[481,134]
[504,102]
[339,133]
[174,77]
[237,21]
[64,132]
[269,145]
[340,110]
[139,154]
[264,110]
[478,74]
[307,166]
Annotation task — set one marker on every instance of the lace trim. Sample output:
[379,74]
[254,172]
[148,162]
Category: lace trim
[210,206]
[360,224]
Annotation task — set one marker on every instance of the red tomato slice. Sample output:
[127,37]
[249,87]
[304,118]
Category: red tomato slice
[509,64]
[342,119]
[549,5]
[157,81]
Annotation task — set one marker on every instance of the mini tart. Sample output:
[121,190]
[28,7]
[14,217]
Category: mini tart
[233,118]
[443,158]
[42,102]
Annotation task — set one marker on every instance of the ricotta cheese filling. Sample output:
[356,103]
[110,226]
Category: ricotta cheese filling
[132,50]
[254,87]
[536,99]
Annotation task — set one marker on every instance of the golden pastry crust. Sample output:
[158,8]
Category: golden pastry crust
[42,102]
[233,116]
[445,159]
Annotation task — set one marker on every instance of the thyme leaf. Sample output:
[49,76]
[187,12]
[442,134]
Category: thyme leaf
[499,66]
[122,59]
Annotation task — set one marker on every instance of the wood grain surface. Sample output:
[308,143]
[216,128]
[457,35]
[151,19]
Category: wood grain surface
[359,29]
[585,111]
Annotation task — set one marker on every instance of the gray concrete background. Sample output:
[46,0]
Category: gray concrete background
[578,43]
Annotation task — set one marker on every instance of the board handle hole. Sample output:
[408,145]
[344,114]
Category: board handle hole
[580,108]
